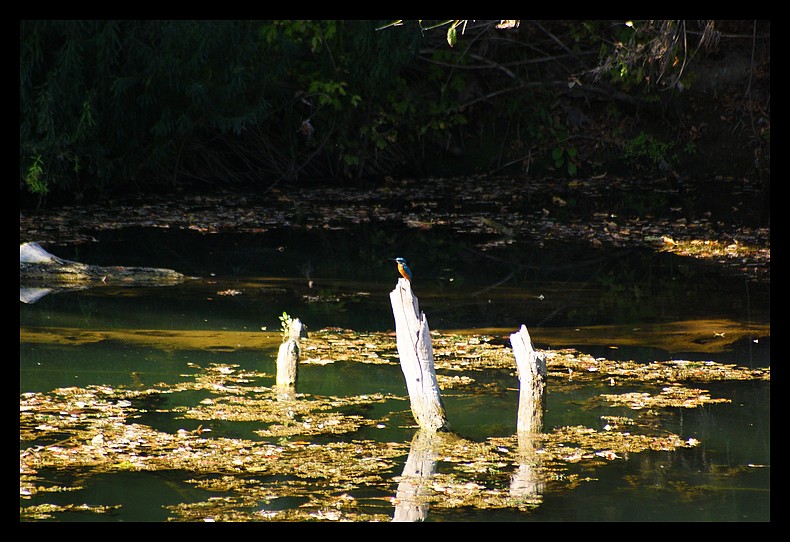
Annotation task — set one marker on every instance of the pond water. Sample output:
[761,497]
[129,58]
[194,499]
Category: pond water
[623,305]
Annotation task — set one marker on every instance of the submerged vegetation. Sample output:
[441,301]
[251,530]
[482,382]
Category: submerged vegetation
[308,446]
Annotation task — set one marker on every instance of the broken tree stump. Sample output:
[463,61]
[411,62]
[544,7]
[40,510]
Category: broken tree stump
[288,355]
[532,378]
[527,484]
[416,358]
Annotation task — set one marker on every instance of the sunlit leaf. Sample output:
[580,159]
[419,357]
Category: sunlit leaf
[451,36]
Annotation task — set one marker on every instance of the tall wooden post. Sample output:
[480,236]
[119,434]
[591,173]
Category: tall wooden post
[416,358]
[527,484]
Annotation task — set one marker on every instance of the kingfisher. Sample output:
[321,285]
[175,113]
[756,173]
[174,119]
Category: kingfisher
[403,267]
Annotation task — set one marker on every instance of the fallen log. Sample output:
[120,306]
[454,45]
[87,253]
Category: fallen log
[37,267]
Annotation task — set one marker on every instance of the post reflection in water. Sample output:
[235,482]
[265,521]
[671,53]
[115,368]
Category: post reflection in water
[411,499]
[526,485]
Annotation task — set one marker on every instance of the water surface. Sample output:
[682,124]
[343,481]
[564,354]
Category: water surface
[565,295]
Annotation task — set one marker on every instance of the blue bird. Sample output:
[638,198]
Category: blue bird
[403,268]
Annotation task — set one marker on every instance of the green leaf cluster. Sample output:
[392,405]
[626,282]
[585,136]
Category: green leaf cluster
[285,325]
[646,147]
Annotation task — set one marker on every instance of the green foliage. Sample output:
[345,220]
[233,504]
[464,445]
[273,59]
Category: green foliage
[565,156]
[119,105]
[114,101]
[452,32]
[111,103]
[654,53]
[34,178]
[646,147]
[285,325]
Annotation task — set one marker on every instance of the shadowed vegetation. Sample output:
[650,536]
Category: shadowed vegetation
[108,106]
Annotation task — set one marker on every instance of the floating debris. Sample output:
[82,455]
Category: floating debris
[297,455]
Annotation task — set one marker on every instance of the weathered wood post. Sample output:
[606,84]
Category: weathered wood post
[416,358]
[527,484]
[288,355]
[531,367]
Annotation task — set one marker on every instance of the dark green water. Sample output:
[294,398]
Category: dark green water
[342,279]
